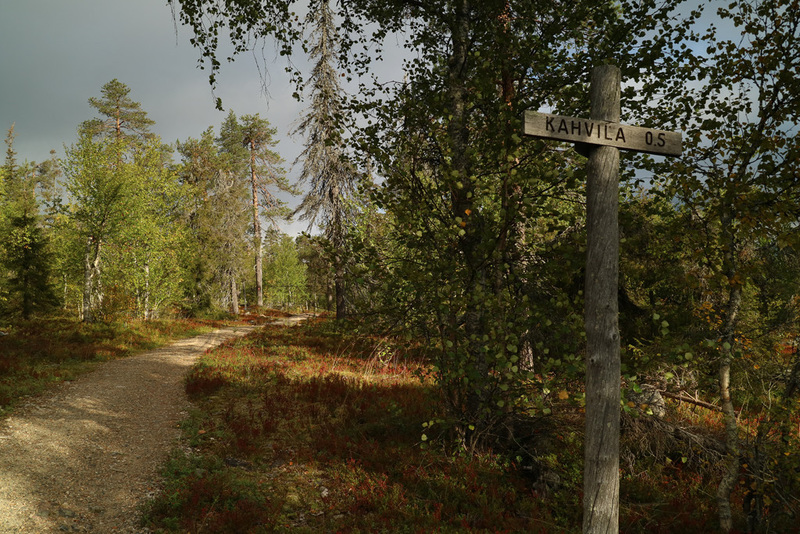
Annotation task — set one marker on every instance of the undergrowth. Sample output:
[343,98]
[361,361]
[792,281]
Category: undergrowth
[307,429]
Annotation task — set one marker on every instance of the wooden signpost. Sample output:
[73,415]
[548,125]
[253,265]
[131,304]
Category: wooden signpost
[607,135]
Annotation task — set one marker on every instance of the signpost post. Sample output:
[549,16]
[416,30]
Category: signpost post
[606,135]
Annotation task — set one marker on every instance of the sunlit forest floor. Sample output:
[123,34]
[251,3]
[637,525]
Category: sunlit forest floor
[309,429]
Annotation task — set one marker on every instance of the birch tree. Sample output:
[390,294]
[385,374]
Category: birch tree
[457,179]
[101,180]
[738,102]
[148,247]
[100,192]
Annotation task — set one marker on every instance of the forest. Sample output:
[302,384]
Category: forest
[450,251]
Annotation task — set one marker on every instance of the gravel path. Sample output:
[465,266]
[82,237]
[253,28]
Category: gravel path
[81,458]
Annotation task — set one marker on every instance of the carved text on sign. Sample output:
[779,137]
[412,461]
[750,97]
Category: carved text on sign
[595,132]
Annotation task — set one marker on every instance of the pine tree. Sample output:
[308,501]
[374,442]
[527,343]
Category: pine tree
[247,144]
[258,138]
[330,178]
[229,190]
[122,118]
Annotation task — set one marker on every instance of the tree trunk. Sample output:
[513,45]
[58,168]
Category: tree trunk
[337,239]
[731,473]
[146,298]
[338,273]
[727,338]
[458,137]
[234,295]
[601,448]
[88,283]
[92,296]
[257,230]
[338,285]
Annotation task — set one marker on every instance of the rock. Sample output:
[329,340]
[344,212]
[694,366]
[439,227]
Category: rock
[649,401]
[236,462]
[547,481]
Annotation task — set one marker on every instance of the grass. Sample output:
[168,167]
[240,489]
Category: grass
[38,353]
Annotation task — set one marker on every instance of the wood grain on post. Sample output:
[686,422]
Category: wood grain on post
[601,448]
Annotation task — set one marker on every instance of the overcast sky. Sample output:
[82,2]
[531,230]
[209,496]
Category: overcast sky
[55,54]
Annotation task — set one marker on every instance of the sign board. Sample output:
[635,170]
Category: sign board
[597,132]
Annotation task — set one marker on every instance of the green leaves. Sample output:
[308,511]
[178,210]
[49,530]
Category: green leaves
[285,278]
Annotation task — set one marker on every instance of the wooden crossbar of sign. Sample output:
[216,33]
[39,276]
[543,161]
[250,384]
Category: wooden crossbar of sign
[596,132]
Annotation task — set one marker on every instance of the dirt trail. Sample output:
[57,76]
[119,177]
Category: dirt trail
[81,458]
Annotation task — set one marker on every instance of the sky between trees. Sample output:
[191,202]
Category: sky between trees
[58,54]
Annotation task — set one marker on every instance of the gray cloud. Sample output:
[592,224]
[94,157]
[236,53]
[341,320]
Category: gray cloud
[55,54]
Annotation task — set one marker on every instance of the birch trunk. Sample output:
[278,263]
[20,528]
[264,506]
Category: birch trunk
[727,338]
[731,473]
[92,296]
[458,135]
[146,298]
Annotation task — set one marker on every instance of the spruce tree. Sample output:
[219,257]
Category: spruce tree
[48,192]
[217,214]
[329,177]
[10,163]
[28,262]
[19,182]
[24,252]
